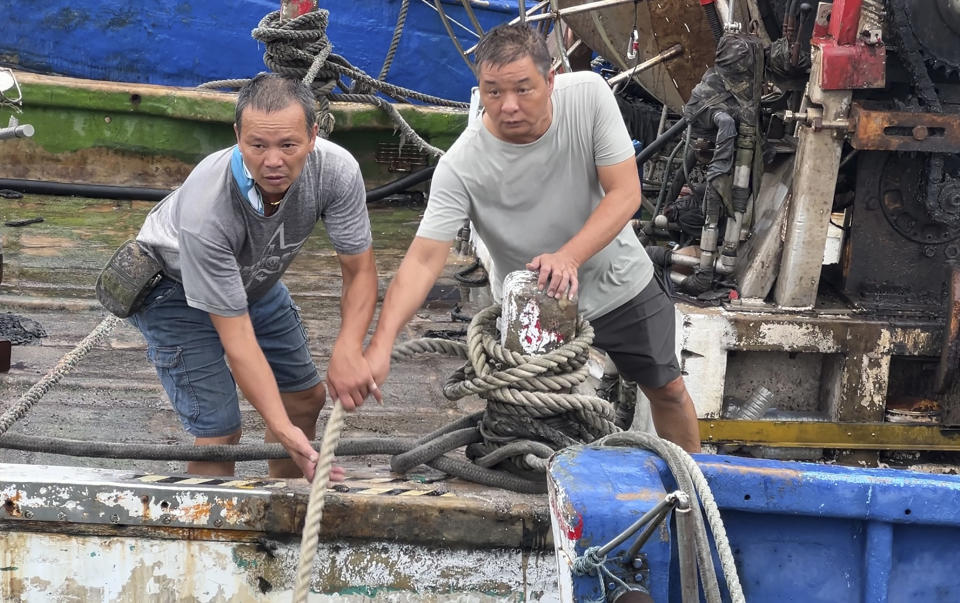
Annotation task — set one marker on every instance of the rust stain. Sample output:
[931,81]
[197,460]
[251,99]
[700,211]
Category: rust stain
[12,505]
[654,495]
[904,131]
[778,473]
[198,513]
[146,506]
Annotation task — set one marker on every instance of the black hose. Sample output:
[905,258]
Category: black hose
[400,185]
[139,193]
[69,189]
[247,452]
[648,151]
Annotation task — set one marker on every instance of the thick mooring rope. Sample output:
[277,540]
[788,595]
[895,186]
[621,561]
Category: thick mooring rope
[300,48]
[530,406]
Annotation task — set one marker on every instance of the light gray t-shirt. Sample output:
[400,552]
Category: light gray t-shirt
[207,236]
[529,199]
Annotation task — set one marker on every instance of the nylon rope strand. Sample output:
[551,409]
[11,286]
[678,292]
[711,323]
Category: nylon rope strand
[64,366]
[300,48]
[311,525]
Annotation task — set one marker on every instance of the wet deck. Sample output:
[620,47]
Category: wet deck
[114,395]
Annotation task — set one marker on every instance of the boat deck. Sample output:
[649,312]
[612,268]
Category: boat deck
[113,394]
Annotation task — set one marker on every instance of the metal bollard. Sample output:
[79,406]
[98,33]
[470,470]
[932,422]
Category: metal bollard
[531,322]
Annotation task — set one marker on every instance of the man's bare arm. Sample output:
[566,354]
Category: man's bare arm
[621,185]
[252,373]
[348,376]
[418,271]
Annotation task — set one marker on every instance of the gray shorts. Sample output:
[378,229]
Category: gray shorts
[640,337]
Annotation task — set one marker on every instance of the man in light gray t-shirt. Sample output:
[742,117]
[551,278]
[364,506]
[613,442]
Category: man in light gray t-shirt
[220,317]
[548,178]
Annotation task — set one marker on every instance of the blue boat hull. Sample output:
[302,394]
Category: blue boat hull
[798,531]
[184,43]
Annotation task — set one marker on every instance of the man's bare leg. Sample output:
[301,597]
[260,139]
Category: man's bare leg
[214,467]
[674,415]
[303,408]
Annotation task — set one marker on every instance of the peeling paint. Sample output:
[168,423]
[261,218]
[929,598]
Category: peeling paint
[219,571]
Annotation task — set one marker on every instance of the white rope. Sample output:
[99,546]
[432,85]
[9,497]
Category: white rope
[311,526]
[64,366]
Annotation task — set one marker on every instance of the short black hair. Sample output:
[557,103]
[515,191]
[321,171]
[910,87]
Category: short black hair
[508,43]
[270,92]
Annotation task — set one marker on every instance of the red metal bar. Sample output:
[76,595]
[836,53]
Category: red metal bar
[291,9]
[845,21]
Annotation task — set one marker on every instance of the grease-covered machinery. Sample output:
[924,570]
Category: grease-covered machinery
[838,225]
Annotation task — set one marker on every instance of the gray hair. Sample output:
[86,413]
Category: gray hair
[271,92]
[508,43]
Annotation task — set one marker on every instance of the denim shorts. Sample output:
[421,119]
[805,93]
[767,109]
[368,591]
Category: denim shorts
[185,348]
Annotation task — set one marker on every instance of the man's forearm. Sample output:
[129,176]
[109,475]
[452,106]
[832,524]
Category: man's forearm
[357,305]
[251,371]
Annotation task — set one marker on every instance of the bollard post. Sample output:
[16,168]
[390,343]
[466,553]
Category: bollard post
[533,323]
[291,9]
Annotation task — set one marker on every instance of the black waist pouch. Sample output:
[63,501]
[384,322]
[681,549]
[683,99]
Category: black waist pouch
[127,278]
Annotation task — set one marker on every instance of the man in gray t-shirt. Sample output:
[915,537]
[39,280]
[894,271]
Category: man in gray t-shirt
[220,316]
[548,178]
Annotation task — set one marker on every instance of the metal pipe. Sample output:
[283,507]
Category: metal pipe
[24,131]
[663,56]
[580,8]
[526,17]
[648,151]
[453,37]
[687,552]
[671,500]
[558,32]
[679,259]
[645,535]
[467,6]
[663,120]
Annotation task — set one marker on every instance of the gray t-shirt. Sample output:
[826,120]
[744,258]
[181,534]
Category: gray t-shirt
[207,236]
[529,199]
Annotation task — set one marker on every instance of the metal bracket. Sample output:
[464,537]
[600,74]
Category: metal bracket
[904,131]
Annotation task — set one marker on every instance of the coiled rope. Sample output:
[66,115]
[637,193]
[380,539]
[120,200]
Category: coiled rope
[530,410]
[300,48]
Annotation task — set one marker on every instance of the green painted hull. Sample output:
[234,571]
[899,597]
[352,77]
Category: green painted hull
[144,135]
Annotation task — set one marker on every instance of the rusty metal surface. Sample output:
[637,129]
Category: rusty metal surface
[395,509]
[904,131]
[661,25]
[852,436]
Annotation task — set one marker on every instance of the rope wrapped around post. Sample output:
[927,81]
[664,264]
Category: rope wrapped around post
[531,410]
[300,48]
